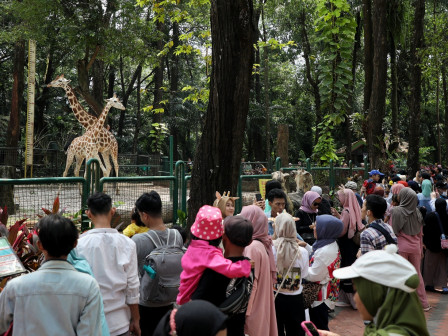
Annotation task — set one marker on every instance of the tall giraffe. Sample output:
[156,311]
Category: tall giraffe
[87,146]
[108,145]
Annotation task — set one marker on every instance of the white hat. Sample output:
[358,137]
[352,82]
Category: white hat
[384,267]
[317,189]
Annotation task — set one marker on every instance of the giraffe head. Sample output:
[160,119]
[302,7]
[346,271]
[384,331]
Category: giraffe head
[60,81]
[115,102]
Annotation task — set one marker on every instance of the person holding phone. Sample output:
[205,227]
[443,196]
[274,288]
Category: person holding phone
[386,297]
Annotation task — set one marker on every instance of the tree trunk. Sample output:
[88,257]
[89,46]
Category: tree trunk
[13,131]
[282,144]
[445,104]
[218,156]
[137,117]
[110,89]
[314,82]
[347,126]
[416,79]
[158,75]
[377,106]
[368,58]
[174,88]
[84,90]
[394,140]
[42,102]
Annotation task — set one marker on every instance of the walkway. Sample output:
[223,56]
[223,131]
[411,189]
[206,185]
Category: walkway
[347,322]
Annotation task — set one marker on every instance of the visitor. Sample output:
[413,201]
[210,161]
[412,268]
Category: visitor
[424,198]
[394,191]
[325,258]
[369,185]
[407,223]
[149,207]
[385,294]
[351,218]
[325,205]
[195,318]
[277,202]
[113,259]
[434,266]
[377,233]
[225,203]
[203,253]
[292,265]
[260,314]
[270,185]
[56,299]
[306,215]
[136,226]
[354,187]
[212,287]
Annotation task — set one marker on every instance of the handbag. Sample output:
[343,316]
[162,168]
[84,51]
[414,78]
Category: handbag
[310,292]
[443,240]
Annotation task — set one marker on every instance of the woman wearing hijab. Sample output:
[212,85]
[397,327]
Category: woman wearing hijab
[424,198]
[290,257]
[407,223]
[260,314]
[307,216]
[434,269]
[385,284]
[351,218]
[195,318]
[324,260]
[394,191]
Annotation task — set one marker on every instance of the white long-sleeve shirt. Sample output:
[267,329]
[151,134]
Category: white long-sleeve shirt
[113,259]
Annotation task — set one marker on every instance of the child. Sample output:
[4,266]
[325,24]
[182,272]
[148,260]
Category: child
[136,226]
[204,253]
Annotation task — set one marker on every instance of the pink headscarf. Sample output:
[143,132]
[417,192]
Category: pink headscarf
[352,217]
[396,188]
[307,201]
[259,222]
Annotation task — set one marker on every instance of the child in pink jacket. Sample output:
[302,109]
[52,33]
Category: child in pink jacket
[204,252]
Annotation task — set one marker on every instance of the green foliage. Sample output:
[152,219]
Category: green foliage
[157,135]
[181,218]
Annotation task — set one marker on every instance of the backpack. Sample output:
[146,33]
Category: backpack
[162,286]
[237,295]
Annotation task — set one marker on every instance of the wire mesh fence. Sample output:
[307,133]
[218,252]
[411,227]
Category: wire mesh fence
[26,198]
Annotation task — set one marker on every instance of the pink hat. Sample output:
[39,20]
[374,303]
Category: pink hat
[208,223]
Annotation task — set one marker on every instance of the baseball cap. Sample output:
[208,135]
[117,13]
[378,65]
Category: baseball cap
[375,172]
[384,267]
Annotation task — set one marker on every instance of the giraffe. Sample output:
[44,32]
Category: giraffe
[87,146]
[108,145]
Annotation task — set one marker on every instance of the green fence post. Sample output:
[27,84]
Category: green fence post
[366,170]
[332,182]
[175,199]
[85,194]
[184,194]
[171,155]
[180,177]
[278,163]
[308,165]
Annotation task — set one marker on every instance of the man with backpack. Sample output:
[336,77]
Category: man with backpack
[377,234]
[159,254]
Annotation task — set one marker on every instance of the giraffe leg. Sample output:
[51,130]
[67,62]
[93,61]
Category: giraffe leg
[79,161]
[106,159]
[103,169]
[68,163]
[114,155]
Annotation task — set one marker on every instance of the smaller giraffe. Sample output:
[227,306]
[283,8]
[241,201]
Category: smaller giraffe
[87,146]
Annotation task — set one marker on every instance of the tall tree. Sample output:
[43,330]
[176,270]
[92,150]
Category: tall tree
[218,156]
[377,104]
[415,94]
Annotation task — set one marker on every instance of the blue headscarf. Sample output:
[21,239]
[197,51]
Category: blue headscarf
[426,188]
[328,229]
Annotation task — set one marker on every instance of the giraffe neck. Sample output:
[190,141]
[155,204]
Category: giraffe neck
[85,119]
[100,122]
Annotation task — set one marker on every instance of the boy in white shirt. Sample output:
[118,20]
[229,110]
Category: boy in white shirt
[113,259]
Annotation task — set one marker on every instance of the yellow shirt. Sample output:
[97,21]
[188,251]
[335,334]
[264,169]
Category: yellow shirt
[133,229]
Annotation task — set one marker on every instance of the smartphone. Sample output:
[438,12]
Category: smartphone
[310,328]
[258,197]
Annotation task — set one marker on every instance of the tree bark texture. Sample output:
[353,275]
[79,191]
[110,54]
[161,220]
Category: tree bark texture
[416,79]
[377,106]
[218,155]
[282,143]
[445,104]
[368,57]
[43,100]
[394,141]
[13,131]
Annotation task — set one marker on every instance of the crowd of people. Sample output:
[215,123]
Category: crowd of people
[262,272]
